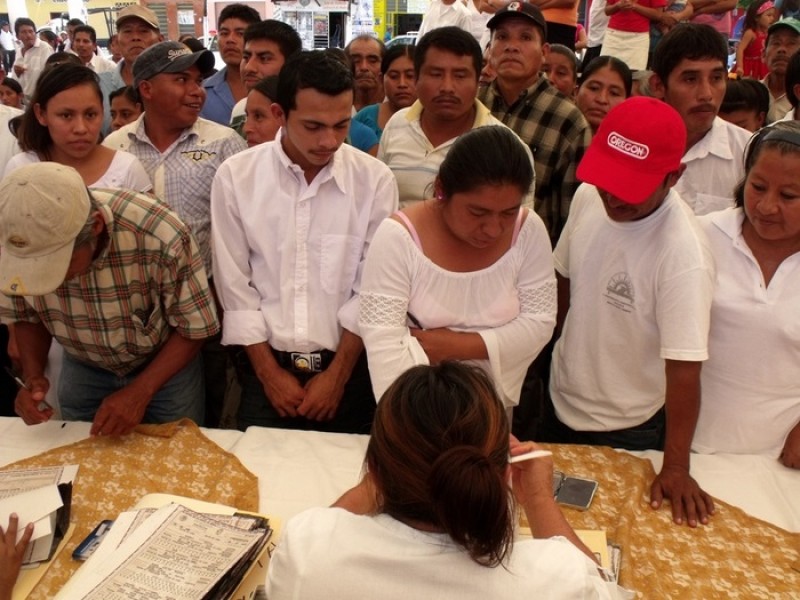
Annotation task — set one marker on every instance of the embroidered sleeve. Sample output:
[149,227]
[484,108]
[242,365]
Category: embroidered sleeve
[380,310]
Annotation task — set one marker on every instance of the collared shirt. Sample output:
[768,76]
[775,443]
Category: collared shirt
[182,174]
[410,155]
[288,254]
[440,14]
[98,64]
[110,81]
[147,282]
[778,106]
[8,143]
[33,60]
[558,136]
[714,166]
[219,99]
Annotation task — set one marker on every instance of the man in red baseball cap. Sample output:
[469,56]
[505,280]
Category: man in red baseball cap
[635,283]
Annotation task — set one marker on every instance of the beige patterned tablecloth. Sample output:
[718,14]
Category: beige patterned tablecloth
[115,473]
[735,556]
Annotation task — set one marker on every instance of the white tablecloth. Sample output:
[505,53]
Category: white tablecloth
[299,469]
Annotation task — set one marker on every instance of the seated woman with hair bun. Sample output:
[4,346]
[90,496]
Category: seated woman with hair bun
[434,516]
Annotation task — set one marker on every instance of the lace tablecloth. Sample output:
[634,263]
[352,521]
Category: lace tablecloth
[735,556]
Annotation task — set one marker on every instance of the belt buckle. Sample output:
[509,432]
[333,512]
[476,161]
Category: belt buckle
[307,362]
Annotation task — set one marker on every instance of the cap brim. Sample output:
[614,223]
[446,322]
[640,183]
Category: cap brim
[622,180]
[34,276]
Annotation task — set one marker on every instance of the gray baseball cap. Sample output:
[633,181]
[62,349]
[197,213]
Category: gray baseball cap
[169,57]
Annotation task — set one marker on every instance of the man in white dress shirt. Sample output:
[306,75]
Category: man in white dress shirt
[292,222]
[84,44]
[31,57]
[690,74]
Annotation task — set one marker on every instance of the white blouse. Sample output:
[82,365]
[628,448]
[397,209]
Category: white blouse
[511,304]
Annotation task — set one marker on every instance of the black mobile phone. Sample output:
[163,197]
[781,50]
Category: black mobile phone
[576,492]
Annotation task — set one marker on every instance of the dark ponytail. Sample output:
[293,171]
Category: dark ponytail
[464,483]
[438,454]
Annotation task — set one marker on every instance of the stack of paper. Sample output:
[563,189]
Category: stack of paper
[42,497]
[171,552]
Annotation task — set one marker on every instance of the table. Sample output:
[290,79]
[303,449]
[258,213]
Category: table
[297,470]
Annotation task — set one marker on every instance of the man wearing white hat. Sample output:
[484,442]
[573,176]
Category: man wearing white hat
[118,280]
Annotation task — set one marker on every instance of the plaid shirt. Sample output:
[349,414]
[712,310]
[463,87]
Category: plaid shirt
[557,134]
[148,281]
[183,173]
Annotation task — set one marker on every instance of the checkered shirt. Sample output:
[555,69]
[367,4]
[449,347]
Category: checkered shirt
[183,173]
[148,281]
[557,134]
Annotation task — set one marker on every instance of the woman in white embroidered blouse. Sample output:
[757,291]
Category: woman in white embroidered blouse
[466,275]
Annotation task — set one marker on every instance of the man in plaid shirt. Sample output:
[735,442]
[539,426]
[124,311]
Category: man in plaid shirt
[118,280]
[547,121]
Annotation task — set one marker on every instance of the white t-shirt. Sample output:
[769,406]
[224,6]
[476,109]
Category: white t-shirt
[714,166]
[640,292]
[332,554]
[124,173]
[511,304]
[751,381]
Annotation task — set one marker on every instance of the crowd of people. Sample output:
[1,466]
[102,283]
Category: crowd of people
[578,252]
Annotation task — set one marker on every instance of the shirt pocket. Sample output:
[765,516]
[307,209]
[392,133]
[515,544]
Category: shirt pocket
[339,259]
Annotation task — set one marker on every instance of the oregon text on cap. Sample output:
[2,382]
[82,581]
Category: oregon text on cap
[626,146]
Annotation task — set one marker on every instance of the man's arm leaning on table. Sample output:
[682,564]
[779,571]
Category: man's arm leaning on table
[690,504]
[123,410]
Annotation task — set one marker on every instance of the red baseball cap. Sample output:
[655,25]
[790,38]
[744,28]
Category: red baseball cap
[639,142]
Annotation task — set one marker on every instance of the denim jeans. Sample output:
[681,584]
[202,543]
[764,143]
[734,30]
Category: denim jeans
[82,388]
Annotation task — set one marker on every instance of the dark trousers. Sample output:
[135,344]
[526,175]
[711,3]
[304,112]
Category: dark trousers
[645,436]
[9,56]
[558,33]
[355,414]
[590,55]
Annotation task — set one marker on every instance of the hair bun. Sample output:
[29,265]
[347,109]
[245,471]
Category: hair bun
[463,484]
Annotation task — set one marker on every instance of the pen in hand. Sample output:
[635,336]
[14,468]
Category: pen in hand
[43,405]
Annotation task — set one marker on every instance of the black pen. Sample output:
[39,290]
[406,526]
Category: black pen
[414,321]
[16,378]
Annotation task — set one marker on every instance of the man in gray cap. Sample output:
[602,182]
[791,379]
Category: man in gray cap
[137,30]
[180,151]
[118,280]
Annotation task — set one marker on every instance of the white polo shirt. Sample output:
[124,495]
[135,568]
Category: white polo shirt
[714,166]
[751,381]
[408,152]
